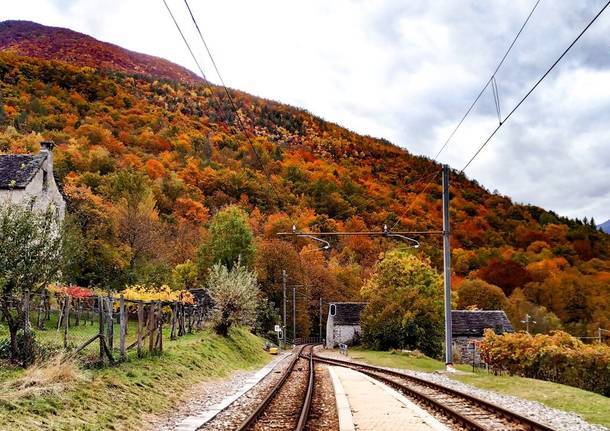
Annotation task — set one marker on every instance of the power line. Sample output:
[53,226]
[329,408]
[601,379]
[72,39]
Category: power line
[488,81]
[491,80]
[231,101]
[206,83]
[536,85]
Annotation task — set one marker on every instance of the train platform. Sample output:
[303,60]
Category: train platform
[364,404]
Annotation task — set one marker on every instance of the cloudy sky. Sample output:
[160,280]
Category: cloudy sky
[406,71]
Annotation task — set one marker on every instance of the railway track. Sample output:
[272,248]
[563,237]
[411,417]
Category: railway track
[288,403]
[464,410]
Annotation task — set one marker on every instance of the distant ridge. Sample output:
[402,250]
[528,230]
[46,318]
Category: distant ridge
[54,43]
[605,226]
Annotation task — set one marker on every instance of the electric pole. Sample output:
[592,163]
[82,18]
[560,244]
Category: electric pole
[294,314]
[527,321]
[447,268]
[284,291]
[320,334]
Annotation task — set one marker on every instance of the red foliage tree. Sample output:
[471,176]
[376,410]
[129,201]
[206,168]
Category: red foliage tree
[506,274]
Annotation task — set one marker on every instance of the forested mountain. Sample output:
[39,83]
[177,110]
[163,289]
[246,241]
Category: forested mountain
[146,159]
[54,43]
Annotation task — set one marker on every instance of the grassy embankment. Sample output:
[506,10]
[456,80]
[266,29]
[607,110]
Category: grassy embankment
[593,407]
[120,397]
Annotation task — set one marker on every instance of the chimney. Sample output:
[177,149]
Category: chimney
[47,147]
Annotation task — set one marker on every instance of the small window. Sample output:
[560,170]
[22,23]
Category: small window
[45,180]
[333,309]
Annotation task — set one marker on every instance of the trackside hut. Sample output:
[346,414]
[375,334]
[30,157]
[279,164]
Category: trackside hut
[468,328]
[343,323]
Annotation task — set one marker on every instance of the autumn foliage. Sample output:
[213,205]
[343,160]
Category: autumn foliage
[149,165]
[558,357]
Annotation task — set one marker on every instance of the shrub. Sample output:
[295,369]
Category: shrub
[234,295]
[558,357]
[71,290]
[153,293]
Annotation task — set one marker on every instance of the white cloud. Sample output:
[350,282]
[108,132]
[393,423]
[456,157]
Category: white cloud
[405,71]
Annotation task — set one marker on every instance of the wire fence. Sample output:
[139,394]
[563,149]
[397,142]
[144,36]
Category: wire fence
[103,328]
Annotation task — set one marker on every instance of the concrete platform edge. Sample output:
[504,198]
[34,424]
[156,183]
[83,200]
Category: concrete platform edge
[344,411]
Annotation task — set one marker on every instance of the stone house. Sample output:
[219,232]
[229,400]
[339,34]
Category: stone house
[468,327]
[343,323]
[27,179]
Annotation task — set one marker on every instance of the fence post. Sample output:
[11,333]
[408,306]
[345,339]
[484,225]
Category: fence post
[160,328]
[100,314]
[66,320]
[40,308]
[110,322]
[140,323]
[123,326]
[172,334]
[62,312]
[79,308]
[190,319]
[26,313]
[151,327]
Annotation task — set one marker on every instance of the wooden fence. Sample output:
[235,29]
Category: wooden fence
[115,324]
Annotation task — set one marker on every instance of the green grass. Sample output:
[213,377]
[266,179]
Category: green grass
[593,407]
[120,397]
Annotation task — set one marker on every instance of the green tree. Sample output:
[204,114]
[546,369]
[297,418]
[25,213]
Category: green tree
[230,240]
[480,294]
[234,294]
[405,305]
[33,247]
[184,276]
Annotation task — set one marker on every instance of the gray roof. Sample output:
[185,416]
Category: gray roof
[473,323]
[348,313]
[17,170]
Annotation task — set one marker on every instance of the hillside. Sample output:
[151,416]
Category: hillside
[605,226]
[54,43]
[174,150]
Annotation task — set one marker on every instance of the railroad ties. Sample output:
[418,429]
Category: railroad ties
[287,405]
[297,400]
[460,410]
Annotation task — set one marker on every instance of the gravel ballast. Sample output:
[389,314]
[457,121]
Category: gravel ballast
[558,419]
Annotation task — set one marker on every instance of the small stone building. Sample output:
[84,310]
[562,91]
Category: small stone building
[468,328]
[343,323]
[27,179]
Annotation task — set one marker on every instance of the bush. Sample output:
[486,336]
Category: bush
[558,357]
[234,296]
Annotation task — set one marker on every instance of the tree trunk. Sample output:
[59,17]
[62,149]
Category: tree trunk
[13,328]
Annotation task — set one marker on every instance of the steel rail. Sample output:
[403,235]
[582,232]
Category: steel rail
[249,422]
[308,396]
[471,424]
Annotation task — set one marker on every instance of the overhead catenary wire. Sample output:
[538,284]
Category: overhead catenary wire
[480,94]
[231,101]
[531,90]
[491,80]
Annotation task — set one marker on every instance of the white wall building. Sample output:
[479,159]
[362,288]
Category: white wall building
[343,323]
[27,179]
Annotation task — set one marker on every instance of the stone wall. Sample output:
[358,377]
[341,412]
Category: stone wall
[42,196]
[463,350]
[346,334]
